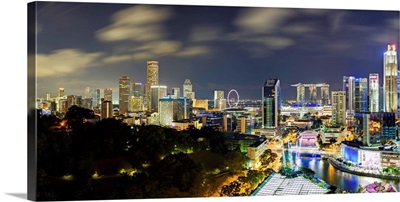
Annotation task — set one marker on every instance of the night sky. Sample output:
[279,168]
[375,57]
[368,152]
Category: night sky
[218,48]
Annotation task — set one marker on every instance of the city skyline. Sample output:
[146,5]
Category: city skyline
[217,48]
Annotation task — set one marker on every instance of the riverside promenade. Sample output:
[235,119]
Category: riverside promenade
[360,171]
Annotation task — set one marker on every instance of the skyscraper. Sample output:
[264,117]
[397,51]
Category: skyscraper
[390,70]
[349,88]
[219,99]
[124,92]
[338,107]
[187,88]
[325,95]
[313,93]
[361,95]
[271,103]
[374,92]
[152,80]
[95,95]
[176,92]
[301,91]
[136,104]
[87,92]
[61,92]
[157,92]
[108,94]
[106,109]
[137,89]
[173,110]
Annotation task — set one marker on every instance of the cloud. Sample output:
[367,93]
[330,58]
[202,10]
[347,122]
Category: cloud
[298,29]
[138,23]
[262,20]
[65,61]
[205,33]
[336,20]
[193,51]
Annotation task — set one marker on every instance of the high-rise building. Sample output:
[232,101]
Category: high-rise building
[136,104]
[95,95]
[108,94]
[152,80]
[187,88]
[361,95]
[325,95]
[176,92]
[137,89]
[338,107]
[313,93]
[157,92]
[87,92]
[87,103]
[61,92]
[301,92]
[390,70]
[106,109]
[173,110]
[124,93]
[374,92]
[349,88]
[218,99]
[271,103]
[63,105]
[74,100]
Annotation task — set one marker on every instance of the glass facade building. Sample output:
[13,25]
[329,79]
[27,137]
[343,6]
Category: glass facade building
[271,103]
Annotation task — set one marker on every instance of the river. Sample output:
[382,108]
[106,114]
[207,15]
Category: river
[331,175]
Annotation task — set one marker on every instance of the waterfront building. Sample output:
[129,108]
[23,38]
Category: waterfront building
[349,89]
[333,133]
[271,103]
[361,95]
[124,93]
[390,70]
[375,127]
[374,92]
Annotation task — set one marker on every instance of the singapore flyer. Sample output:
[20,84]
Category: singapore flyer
[233,98]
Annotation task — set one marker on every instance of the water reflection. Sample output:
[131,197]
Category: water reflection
[328,173]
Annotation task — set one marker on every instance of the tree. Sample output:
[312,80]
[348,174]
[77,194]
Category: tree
[235,160]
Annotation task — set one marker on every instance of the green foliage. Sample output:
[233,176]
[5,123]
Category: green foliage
[235,160]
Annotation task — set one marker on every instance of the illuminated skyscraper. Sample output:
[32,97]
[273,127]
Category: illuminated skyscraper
[349,88]
[271,103]
[173,110]
[95,95]
[152,80]
[361,95]
[301,92]
[338,107]
[108,94]
[157,92]
[374,92]
[124,92]
[87,92]
[219,99]
[176,93]
[136,104]
[325,95]
[187,89]
[390,70]
[313,93]
[106,109]
[61,92]
[137,89]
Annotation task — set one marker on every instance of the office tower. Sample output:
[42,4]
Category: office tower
[63,105]
[191,95]
[374,92]
[95,95]
[271,103]
[74,100]
[173,110]
[87,93]
[152,80]
[242,124]
[157,92]
[313,93]
[61,92]
[339,107]
[137,89]
[136,104]
[108,94]
[361,95]
[218,99]
[106,109]
[48,96]
[390,70]
[325,95]
[187,88]
[349,88]
[87,103]
[124,93]
[176,92]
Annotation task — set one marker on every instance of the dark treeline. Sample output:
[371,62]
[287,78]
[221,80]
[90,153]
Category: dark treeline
[81,159]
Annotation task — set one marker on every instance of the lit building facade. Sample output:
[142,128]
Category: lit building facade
[375,127]
[157,92]
[199,103]
[188,89]
[361,95]
[271,103]
[106,109]
[137,89]
[152,80]
[338,107]
[173,110]
[349,88]
[325,95]
[136,104]
[61,92]
[390,70]
[176,92]
[108,94]
[124,93]
[95,95]
[219,100]
[374,92]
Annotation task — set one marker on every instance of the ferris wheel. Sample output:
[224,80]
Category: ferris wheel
[233,98]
